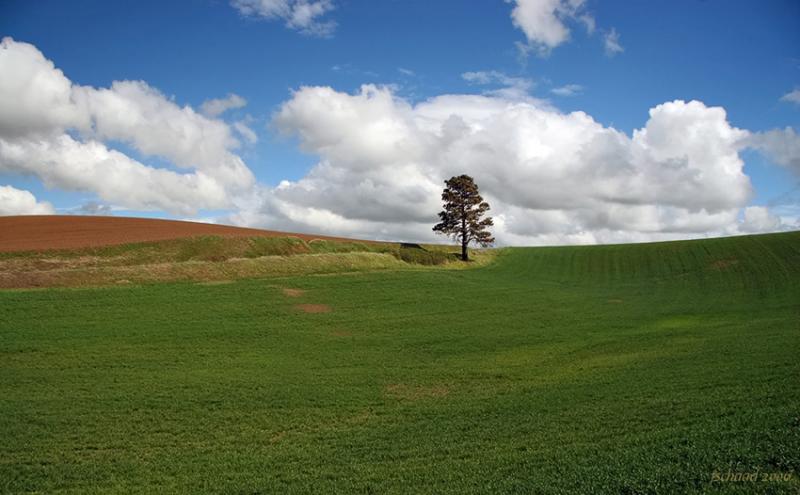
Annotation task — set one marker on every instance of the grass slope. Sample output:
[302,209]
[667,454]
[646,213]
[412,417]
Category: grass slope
[215,258]
[611,369]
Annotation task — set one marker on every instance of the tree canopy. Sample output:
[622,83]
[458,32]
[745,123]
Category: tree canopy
[462,217]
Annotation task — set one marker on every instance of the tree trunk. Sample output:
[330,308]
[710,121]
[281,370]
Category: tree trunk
[464,238]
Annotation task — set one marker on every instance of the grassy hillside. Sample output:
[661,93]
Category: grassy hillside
[216,258]
[617,369]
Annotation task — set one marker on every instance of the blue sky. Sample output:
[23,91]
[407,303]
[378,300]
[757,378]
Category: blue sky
[741,56]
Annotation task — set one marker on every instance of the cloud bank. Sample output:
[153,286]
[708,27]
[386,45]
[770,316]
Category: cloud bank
[550,177]
[56,130]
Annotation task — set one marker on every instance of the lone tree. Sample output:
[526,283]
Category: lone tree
[461,217]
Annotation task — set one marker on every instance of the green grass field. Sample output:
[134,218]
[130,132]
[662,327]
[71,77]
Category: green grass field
[608,369]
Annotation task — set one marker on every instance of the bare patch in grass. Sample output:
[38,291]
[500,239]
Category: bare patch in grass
[415,392]
[361,417]
[313,308]
[277,437]
[216,282]
[615,301]
[293,292]
[724,264]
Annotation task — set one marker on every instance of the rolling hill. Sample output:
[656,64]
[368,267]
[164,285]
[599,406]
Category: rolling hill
[71,251]
[646,368]
[46,232]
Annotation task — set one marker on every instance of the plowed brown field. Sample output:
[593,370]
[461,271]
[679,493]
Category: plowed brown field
[29,233]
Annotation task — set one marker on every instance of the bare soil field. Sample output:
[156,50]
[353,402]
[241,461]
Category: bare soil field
[39,233]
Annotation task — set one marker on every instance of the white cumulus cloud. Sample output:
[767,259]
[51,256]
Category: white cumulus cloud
[780,145]
[35,96]
[133,112]
[65,163]
[245,131]
[546,25]
[543,21]
[15,201]
[217,106]
[305,16]
[567,90]
[792,96]
[55,129]
[759,219]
